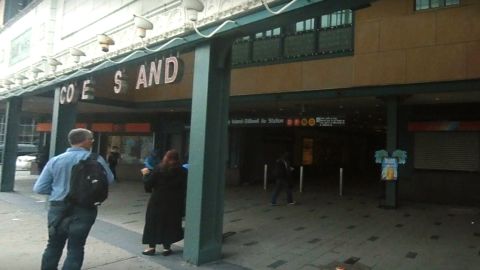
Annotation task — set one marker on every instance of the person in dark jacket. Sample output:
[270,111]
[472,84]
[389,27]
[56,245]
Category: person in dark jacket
[282,171]
[113,157]
[166,207]
[43,157]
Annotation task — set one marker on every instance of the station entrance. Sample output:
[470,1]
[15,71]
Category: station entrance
[321,153]
[330,135]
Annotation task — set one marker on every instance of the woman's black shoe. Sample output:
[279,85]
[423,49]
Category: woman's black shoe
[149,252]
[166,252]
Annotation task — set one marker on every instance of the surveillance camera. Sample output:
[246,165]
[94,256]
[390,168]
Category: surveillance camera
[53,62]
[192,8]
[7,82]
[35,71]
[76,53]
[105,41]
[142,25]
[20,77]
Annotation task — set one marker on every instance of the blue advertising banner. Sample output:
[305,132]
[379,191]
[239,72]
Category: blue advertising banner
[389,169]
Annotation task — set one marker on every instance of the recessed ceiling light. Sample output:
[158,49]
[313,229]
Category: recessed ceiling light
[437,98]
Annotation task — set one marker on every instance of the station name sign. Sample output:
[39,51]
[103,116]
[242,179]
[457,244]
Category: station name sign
[157,72]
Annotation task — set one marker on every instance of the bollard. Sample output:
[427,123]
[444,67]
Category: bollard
[301,178]
[265,169]
[341,182]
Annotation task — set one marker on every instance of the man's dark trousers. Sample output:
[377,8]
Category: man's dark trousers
[279,185]
[74,227]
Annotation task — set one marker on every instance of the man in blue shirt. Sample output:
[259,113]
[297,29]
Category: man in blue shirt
[67,223]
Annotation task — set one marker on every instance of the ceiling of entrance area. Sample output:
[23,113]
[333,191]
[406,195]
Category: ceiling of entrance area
[359,112]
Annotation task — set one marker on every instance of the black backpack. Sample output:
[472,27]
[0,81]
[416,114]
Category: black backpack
[88,183]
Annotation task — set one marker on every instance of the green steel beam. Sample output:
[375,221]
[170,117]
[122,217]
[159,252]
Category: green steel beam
[63,120]
[392,138]
[364,91]
[12,117]
[208,148]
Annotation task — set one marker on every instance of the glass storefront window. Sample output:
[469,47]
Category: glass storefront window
[133,149]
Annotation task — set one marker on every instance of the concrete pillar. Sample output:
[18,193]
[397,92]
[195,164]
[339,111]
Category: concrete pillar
[63,120]
[207,156]
[392,139]
[12,125]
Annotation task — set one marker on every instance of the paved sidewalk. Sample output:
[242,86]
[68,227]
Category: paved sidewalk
[321,232]
[24,237]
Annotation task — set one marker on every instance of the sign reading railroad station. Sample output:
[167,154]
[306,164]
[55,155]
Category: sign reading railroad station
[157,72]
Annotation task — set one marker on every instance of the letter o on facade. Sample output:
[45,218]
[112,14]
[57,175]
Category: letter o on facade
[70,93]
[63,94]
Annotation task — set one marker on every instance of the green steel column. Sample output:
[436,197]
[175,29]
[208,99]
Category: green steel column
[12,124]
[208,148]
[392,131]
[63,120]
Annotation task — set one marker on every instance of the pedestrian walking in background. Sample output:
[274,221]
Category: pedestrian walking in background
[152,159]
[282,172]
[67,221]
[113,157]
[166,207]
[42,156]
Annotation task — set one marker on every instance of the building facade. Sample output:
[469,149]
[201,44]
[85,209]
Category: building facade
[332,82]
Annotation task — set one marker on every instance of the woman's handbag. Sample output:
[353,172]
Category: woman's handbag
[148,182]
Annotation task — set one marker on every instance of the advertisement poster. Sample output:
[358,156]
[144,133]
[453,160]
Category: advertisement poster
[389,169]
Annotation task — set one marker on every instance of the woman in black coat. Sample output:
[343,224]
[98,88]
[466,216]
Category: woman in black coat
[166,207]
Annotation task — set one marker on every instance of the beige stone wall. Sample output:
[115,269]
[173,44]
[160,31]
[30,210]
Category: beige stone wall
[393,45]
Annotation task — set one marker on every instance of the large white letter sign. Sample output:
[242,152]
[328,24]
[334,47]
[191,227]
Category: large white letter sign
[85,95]
[70,93]
[63,94]
[155,72]
[142,78]
[67,94]
[171,61]
[117,87]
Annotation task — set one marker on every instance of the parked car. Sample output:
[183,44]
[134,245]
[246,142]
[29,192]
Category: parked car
[22,149]
[24,163]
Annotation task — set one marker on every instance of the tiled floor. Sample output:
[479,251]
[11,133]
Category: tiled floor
[323,230]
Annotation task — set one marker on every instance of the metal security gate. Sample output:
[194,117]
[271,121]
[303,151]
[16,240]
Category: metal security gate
[453,151]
